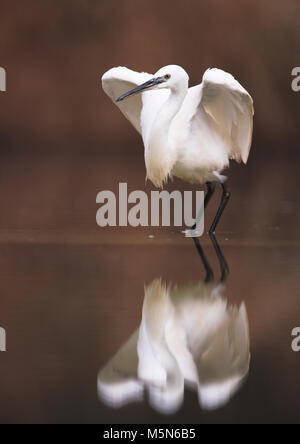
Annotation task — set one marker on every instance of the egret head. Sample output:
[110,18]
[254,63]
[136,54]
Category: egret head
[172,77]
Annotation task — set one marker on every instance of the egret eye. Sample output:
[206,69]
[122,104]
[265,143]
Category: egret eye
[167,76]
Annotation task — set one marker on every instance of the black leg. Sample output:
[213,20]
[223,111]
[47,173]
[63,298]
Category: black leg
[224,201]
[209,273]
[222,261]
[211,186]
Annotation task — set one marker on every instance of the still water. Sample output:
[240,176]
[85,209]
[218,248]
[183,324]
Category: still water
[139,329]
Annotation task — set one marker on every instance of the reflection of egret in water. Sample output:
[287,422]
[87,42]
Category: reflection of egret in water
[188,335]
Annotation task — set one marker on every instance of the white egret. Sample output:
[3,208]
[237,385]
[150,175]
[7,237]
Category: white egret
[188,334]
[190,133]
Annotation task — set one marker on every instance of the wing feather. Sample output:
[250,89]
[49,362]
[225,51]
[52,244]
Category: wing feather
[230,106]
[116,82]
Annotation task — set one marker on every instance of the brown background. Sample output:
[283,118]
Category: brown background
[68,301]
[62,140]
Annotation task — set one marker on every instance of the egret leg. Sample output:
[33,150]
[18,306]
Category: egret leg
[222,261]
[209,273]
[211,186]
[224,201]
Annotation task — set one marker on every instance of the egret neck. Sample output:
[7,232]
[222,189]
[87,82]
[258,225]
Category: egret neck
[160,155]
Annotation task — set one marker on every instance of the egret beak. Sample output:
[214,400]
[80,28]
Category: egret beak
[147,85]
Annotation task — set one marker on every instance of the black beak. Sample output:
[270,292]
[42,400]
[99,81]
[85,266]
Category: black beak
[140,88]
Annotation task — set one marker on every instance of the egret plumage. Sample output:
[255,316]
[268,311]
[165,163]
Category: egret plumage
[188,132]
[189,334]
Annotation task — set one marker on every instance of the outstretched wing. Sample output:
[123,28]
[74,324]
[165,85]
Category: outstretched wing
[224,363]
[118,383]
[221,105]
[231,107]
[118,81]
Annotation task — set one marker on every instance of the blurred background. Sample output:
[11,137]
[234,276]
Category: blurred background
[61,136]
[62,141]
